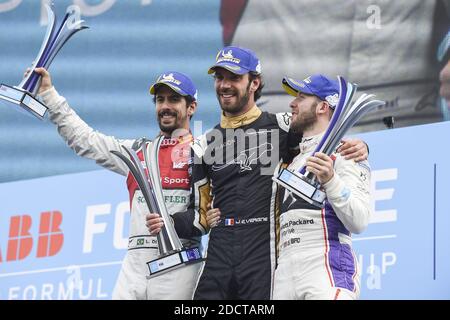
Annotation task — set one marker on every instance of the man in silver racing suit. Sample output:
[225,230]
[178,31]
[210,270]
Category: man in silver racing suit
[316,260]
[175,97]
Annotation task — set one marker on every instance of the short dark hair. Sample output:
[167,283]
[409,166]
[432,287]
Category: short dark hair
[258,93]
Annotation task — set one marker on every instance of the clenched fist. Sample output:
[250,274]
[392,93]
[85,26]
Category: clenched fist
[46,80]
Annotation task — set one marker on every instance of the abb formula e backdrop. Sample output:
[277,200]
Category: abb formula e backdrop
[64,237]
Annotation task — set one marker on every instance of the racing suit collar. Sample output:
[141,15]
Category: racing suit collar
[242,120]
[171,141]
[309,143]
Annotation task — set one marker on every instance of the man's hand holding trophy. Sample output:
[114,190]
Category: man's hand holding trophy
[172,254]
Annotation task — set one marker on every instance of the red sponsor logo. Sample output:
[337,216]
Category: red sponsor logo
[20,241]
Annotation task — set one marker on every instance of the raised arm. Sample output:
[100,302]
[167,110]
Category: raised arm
[80,137]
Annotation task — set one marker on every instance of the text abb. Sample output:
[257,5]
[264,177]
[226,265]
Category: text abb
[20,242]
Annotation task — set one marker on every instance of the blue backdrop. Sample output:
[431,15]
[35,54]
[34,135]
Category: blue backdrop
[104,72]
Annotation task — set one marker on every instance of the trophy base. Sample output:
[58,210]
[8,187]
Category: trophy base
[301,186]
[23,99]
[173,260]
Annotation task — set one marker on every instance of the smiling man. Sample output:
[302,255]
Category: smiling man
[233,168]
[175,97]
[316,260]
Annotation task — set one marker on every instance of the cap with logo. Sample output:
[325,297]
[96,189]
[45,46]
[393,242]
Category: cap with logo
[178,82]
[237,60]
[317,85]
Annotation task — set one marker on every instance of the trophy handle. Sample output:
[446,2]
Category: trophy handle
[23,95]
[334,122]
[155,204]
[172,253]
[168,241]
[137,174]
[53,42]
[360,110]
[172,241]
[63,35]
[48,34]
[58,39]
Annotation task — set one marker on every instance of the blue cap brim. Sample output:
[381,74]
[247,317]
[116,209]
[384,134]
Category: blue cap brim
[174,88]
[228,66]
[293,87]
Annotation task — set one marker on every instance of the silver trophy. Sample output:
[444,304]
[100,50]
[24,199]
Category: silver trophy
[305,184]
[23,95]
[172,254]
[442,52]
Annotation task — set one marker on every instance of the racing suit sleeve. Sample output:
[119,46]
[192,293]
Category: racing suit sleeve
[192,223]
[80,137]
[348,193]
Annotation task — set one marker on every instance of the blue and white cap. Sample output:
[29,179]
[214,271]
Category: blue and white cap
[178,82]
[317,85]
[237,60]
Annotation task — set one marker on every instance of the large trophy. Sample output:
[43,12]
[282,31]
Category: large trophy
[305,184]
[23,95]
[172,254]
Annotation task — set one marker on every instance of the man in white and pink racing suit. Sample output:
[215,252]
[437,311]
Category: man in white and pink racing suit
[316,259]
[175,97]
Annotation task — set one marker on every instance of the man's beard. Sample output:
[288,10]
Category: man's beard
[169,128]
[240,104]
[306,120]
